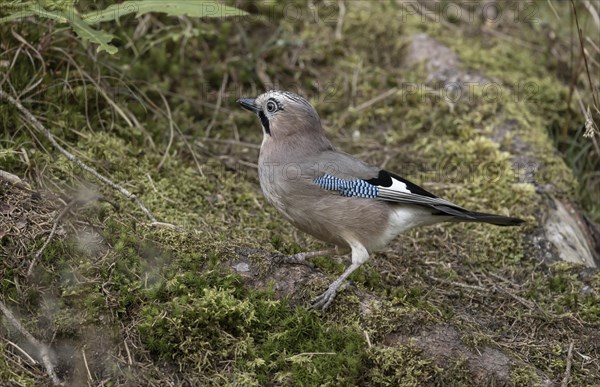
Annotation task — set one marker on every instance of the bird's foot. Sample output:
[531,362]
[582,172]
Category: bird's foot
[300,258]
[296,259]
[325,299]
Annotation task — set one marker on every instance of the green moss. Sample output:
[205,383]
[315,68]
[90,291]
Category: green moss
[401,365]
[396,316]
[538,102]
[524,376]
[407,366]
[201,320]
[165,289]
[565,292]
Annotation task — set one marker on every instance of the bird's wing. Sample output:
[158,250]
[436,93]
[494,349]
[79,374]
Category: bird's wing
[353,178]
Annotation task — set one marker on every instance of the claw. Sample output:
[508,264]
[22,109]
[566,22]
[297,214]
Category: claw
[359,256]
[324,300]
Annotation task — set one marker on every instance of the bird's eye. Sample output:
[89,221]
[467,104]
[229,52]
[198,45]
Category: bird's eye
[271,107]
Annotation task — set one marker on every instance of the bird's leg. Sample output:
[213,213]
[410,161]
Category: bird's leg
[300,258]
[360,255]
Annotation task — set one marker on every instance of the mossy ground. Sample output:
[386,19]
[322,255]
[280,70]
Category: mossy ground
[154,305]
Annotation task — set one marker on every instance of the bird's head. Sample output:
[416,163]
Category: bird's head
[283,114]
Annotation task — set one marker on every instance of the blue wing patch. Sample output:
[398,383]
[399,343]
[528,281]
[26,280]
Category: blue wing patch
[349,188]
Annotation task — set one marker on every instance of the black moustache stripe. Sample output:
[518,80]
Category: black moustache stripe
[265,122]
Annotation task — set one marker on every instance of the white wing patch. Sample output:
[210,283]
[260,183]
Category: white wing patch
[400,192]
[398,186]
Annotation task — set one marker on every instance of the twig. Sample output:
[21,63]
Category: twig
[372,101]
[129,360]
[102,92]
[340,21]
[87,368]
[163,225]
[33,83]
[261,72]
[368,339]
[592,12]
[43,350]
[458,284]
[233,142]
[574,76]
[171,131]
[14,180]
[34,121]
[553,9]
[309,354]
[218,107]
[37,255]
[519,299]
[28,356]
[587,70]
[565,381]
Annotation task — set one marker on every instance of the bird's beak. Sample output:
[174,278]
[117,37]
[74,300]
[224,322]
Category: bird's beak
[249,104]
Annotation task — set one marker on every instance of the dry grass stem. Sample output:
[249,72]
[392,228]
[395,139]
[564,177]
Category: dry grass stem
[42,349]
[39,253]
[171,130]
[378,98]
[14,180]
[584,55]
[566,379]
[34,121]
[340,21]
[87,368]
[218,107]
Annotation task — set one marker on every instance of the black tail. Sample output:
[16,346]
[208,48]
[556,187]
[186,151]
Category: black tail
[462,215]
[498,220]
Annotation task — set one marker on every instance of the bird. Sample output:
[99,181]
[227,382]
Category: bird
[334,196]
